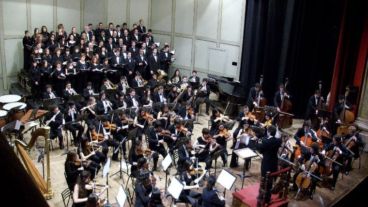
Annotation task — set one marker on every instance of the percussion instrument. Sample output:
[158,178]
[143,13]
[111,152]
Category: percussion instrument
[10,98]
[17,108]
[3,115]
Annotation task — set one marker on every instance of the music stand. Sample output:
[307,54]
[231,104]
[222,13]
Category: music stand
[165,166]
[245,153]
[175,188]
[121,197]
[120,171]
[105,174]
[215,157]
[226,180]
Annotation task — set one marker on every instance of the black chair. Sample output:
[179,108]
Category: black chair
[66,195]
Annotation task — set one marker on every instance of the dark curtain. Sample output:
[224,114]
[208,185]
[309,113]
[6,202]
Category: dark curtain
[294,39]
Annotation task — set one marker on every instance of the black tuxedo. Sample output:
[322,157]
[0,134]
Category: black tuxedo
[165,60]
[154,64]
[184,155]
[55,127]
[73,126]
[312,106]
[141,29]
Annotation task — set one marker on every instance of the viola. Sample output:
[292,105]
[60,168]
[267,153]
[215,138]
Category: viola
[109,126]
[144,152]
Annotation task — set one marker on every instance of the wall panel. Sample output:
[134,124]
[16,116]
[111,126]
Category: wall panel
[94,11]
[15,17]
[161,15]
[68,13]
[139,10]
[201,54]
[42,13]
[116,11]
[184,13]
[229,32]
[13,58]
[207,18]
[233,55]
[183,47]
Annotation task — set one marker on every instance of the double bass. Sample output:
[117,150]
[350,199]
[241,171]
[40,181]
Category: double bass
[346,117]
[285,120]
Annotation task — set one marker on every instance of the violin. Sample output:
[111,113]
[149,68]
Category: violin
[109,126]
[97,136]
[165,133]
[148,117]
[196,171]
[224,133]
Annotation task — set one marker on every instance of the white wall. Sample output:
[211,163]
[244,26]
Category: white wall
[205,33]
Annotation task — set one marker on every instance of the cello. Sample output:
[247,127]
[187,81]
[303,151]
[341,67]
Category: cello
[307,140]
[304,180]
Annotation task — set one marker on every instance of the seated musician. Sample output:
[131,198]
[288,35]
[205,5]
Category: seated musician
[210,195]
[309,161]
[185,154]
[172,96]
[246,116]
[104,105]
[152,82]
[188,95]
[338,152]
[187,113]
[106,85]
[72,124]
[202,147]
[72,169]
[132,99]
[143,189]
[338,113]
[123,85]
[194,80]
[135,154]
[241,139]
[49,94]
[305,131]
[90,111]
[91,151]
[188,178]
[103,137]
[156,143]
[120,102]
[176,77]
[147,100]
[159,96]
[255,94]
[178,131]
[222,137]
[216,120]
[203,95]
[164,116]
[353,142]
[69,91]
[141,121]
[83,188]
[55,121]
[88,91]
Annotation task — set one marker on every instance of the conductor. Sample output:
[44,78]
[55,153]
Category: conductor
[269,147]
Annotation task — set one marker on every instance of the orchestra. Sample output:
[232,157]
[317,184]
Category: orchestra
[114,95]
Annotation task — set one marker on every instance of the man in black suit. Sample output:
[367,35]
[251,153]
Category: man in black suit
[194,80]
[165,58]
[279,96]
[312,107]
[110,30]
[255,94]
[126,37]
[269,148]
[156,143]
[55,120]
[129,67]
[132,100]
[159,97]
[141,62]
[154,61]
[49,94]
[203,95]
[185,154]
[71,115]
[141,28]
[210,195]
[135,36]
[110,47]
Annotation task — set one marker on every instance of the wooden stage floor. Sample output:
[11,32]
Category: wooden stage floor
[322,197]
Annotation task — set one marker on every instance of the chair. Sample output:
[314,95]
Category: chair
[66,195]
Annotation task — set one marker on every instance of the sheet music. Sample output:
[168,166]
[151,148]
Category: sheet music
[121,197]
[166,162]
[245,153]
[226,179]
[106,168]
[175,188]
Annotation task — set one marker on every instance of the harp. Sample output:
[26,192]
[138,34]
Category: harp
[22,148]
